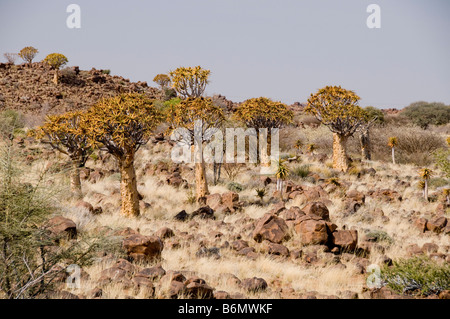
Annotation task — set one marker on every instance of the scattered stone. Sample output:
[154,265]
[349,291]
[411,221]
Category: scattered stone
[437,225]
[164,233]
[204,213]
[61,226]
[182,216]
[254,284]
[143,248]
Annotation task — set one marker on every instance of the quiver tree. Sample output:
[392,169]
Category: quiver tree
[282,174]
[28,54]
[338,109]
[371,117]
[263,113]
[189,81]
[392,143]
[121,125]
[62,132]
[198,119]
[163,80]
[56,61]
[425,174]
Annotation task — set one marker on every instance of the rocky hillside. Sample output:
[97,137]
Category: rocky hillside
[30,89]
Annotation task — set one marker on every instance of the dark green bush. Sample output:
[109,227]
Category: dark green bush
[235,187]
[372,113]
[424,114]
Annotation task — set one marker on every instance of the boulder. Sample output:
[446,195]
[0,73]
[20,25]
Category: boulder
[151,273]
[317,209]
[421,224]
[197,288]
[164,233]
[346,239]
[312,229]
[61,226]
[254,284]
[292,213]
[181,216]
[231,200]
[277,249]
[204,212]
[271,228]
[436,225]
[143,248]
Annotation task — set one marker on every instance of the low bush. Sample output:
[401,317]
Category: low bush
[418,275]
[424,114]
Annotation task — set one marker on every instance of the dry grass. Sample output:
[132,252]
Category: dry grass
[325,277]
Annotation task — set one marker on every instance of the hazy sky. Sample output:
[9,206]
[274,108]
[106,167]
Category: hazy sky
[285,49]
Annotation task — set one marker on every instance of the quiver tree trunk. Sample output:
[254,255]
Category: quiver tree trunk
[201,184]
[128,187]
[55,77]
[264,153]
[425,190]
[75,181]
[364,140]
[340,160]
[393,155]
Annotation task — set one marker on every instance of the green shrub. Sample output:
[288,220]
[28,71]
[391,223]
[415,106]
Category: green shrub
[235,187]
[371,113]
[442,157]
[106,72]
[380,236]
[301,171]
[424,114]
[418,275]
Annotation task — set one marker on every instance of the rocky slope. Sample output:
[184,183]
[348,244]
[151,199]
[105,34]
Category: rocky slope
[30,89]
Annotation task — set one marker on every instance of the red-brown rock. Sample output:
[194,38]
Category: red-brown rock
[271,228]
[139,247]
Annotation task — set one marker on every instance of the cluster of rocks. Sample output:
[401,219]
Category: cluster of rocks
[312,223]
[437,225]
